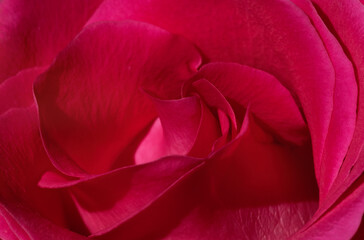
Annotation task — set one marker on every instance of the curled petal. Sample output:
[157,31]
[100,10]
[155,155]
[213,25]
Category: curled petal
[92,112]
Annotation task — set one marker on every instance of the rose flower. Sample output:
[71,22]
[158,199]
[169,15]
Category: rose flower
[135,119]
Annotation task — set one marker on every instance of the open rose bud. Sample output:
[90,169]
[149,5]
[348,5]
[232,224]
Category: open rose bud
[134,119]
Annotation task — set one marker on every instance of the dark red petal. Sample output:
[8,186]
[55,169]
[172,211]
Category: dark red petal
[32,32]
[360,232]
[90,103]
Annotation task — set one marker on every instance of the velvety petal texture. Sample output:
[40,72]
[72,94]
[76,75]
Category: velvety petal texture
[275,36]
[17,91]
[185,127]
[90,101]
[155,119]
[33,32]
[268,99]
[103,208]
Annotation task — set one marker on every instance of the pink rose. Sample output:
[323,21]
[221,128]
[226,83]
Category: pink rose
[187,119]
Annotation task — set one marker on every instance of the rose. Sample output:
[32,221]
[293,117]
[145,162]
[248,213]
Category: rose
[243,90]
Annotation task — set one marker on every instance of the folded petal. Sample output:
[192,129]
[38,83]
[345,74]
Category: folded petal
[10,228]
[104,205]
[346,22]
[92,111]
[27,224]
[223,200]
[177,130]
[269,101]
[343,118]
[275,36]
[256,169]
[17,91]
[344,216]
[33,32]
[22,162]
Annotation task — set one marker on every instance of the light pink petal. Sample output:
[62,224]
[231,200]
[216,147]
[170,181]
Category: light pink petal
[342,221]
[17,91]
[269,101]
[177,129]
[275,36]
[32,32]
[93,113]
[107,201]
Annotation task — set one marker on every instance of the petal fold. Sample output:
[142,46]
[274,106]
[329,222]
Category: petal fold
[98,128]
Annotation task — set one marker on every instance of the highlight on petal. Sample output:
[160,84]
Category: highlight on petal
[92,111]
[179,130]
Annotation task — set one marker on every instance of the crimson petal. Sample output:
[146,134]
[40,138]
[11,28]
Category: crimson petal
[90,105]
[32,32]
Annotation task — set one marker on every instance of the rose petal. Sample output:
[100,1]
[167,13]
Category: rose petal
[257,166]
[215,99]
[103,208]
[177,130]
[91,130]
[277,221]
[23,161]
[346,22]
[194,211]
[275,36]
[343,118]
[32,32]
[27,224]
[17,91]
[10,228]
[269,100]
[345,217]
[360,233]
